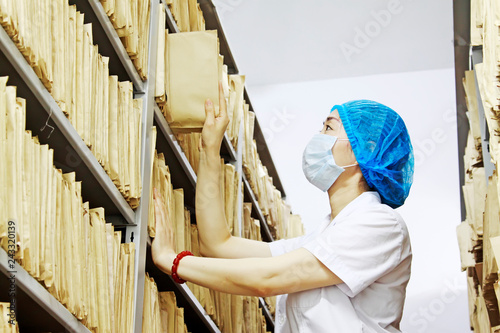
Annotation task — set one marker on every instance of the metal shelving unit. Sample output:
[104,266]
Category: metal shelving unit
[35,303]
[30,294]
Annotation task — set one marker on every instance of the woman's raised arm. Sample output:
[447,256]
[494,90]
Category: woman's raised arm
[215,238]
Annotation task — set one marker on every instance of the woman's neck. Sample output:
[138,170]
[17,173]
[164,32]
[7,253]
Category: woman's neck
[343,192]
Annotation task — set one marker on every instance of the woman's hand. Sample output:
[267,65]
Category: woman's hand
[215,126]
[162,248]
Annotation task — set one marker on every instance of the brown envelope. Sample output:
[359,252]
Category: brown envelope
[192,75]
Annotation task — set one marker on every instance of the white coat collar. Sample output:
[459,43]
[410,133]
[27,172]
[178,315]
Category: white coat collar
[364,199]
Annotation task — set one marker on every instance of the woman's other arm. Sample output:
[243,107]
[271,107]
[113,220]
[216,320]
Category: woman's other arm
[291,272]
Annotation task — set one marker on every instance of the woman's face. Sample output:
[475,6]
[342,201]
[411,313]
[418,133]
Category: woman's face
[342,151]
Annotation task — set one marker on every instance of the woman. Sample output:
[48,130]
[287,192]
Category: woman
[350,274]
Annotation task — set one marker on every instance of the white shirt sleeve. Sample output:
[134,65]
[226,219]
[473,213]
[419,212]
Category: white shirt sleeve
[361,248]
[283,246]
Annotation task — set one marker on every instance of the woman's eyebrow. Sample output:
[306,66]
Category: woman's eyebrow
[331,118]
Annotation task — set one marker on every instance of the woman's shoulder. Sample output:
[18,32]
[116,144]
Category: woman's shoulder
[373,211]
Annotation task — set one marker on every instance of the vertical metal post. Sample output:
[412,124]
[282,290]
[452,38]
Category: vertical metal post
[139,232]
[239,169]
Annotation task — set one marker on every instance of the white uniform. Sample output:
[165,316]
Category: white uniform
[368,247]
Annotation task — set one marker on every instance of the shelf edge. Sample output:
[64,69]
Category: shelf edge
[117,44]
[173,28]
[256,206]
[40,295]
[172,141]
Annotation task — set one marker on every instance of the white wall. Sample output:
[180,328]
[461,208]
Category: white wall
[282,41]
[290,114]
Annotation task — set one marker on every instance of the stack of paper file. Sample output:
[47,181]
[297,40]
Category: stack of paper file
[275,209]
[491,229]
[187,15]
[61,242]
[237,107]
[130,18]
[470,231]
[172,316]
[233,200]
[251,226]
[160,311]
[235,313]
[59,46]
[190,143]
[478,234]
[32,30]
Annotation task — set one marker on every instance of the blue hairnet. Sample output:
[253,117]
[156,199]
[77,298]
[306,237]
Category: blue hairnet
[382,147]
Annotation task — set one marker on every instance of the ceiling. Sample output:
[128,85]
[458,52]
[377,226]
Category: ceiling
[279,41]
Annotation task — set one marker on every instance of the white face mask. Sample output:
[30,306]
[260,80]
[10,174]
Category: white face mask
[318,163]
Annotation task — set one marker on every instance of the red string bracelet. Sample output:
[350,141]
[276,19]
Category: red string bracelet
[176,264]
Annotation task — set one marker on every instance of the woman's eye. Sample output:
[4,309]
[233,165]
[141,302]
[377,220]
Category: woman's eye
[328,128]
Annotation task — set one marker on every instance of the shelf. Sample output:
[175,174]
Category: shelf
[110,45]
[249,195]
[189,301]
[37,310]
[267,314]
[264,153]
[70,151]
[196,318]
[227,149]
[212,22]
[171,25]
[182,173]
